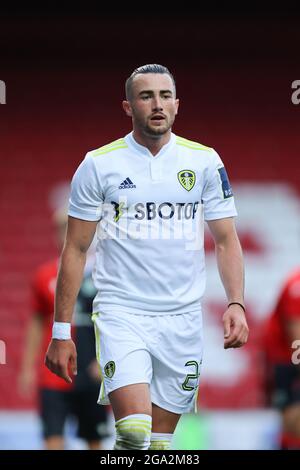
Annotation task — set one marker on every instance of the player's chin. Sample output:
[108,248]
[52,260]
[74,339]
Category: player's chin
[158,130]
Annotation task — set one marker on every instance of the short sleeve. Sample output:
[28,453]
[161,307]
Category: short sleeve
[86,196]
[217,195]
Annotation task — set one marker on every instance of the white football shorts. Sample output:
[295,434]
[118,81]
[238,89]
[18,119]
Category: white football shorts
[164,351]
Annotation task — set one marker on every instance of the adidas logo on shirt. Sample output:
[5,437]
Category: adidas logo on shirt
[127,184]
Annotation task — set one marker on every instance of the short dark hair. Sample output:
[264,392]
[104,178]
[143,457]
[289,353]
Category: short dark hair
[149,68]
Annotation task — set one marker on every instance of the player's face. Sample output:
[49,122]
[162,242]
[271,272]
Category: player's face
[153,105]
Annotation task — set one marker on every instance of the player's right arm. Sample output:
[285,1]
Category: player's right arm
[61,354]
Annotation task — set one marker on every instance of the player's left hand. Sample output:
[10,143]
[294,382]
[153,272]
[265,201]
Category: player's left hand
[236,330]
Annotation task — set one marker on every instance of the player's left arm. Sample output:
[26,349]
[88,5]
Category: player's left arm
[231,268]
[291,311]
[292,328]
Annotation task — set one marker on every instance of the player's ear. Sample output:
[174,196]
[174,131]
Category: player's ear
[176,106]
[127,108]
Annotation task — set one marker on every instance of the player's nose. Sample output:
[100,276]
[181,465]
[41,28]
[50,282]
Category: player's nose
[157,104]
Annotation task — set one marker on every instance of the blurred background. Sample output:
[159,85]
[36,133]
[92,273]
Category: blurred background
[64,74]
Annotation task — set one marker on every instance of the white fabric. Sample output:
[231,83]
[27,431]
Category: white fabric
[164,351]
[150,255]
[61,330]
[160,441]
[133,432]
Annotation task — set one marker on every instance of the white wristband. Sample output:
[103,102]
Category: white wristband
[61,330]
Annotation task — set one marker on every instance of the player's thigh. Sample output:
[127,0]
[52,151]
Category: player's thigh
[131,399]
[176,362]
[125,363]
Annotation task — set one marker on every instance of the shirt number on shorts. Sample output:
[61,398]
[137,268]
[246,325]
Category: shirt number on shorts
[195,376]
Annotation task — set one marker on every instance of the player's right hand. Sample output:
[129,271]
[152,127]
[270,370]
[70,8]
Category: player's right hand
[61,358]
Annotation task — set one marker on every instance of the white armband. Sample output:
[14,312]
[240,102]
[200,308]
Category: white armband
[61,330]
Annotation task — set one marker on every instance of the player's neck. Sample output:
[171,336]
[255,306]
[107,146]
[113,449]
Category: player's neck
[153,144]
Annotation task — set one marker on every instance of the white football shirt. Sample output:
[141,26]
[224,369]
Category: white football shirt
[151,212]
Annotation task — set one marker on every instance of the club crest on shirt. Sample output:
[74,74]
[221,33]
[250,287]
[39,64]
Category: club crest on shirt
[187,179]
[109,369]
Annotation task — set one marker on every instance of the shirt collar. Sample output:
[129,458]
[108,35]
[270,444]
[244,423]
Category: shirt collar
[131,142]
